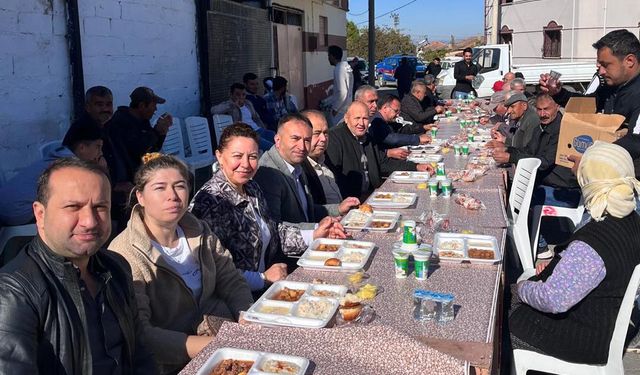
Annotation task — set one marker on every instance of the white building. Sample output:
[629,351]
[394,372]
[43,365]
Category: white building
[558,30]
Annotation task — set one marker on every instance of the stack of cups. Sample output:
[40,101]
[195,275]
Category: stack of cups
[456,150]
[465,149]
[421,264]
[440,169]
[401,260]
[470,137]
[433,188]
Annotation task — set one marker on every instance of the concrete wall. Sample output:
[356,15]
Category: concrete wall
[125,44]
[581,26]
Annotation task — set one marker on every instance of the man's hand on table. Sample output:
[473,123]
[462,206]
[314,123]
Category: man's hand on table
[501,156]
[424,168]
[329,227]
[398,153]
[439,109]
[347,204]
[424,139]
[496,145]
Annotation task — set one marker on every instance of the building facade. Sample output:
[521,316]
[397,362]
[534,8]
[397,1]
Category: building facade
[557,30]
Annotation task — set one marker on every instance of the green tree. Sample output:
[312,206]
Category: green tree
[388,42]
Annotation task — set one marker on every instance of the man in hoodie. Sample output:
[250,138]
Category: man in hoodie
[18,194]
[342,85]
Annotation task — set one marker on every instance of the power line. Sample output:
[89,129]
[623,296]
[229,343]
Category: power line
[389,12]
[359,14]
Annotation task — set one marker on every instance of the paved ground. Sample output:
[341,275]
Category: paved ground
[632,363]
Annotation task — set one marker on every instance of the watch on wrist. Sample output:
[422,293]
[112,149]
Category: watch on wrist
[263,277]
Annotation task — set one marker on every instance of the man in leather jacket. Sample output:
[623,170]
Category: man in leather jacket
[66,305]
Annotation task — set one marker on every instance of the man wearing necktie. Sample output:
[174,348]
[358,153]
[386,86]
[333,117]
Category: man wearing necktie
[285,185]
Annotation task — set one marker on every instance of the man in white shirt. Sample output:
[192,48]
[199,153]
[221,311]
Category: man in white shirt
[322,182]
[342,95]
[241,110]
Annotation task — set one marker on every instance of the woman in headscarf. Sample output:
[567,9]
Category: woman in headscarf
[569,310]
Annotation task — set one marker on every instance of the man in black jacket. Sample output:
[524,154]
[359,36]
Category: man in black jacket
[412,108]
[381,131]
[619,66]
[357,164]
[434,68]
[464,72]
[68,306]
[130,128]
[404,74]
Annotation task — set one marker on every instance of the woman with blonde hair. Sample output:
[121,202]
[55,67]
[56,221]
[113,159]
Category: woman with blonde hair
[569,310]
[185,282]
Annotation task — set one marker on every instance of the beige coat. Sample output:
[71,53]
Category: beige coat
[168,310]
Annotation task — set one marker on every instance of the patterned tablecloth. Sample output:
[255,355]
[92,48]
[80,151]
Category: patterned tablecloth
[395,343]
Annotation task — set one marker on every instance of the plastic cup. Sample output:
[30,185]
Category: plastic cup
[421,264]
[456,150]
[446,187]
[465,149]
[470,137]
[434,132]
[409,239]
[401,261]
[440,169]
[447,113]
[433,187]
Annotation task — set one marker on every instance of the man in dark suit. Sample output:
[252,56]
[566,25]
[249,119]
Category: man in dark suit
[357,163]
[283,182]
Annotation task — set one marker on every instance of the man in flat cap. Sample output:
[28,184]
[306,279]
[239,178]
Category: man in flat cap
[131,130]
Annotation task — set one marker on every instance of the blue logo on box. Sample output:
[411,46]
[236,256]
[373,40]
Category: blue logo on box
[581,143]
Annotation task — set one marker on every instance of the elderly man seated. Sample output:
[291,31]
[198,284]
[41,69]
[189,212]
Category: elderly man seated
[523,120]
[381,130]
[241,110]
[420,106]
[283,182]
[356,162]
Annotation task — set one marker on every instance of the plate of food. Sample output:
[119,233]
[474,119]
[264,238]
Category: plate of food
[406,177]
[427,149]
[473,248]
[296,304]
[349,256]
[379,221]
[391,199]
[225,361]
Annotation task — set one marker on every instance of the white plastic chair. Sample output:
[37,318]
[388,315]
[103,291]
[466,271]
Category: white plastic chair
[200,143]
[46,148]
[219,123]
[519,202]
[524,360]
[7,233]
[573,214]
[173,142]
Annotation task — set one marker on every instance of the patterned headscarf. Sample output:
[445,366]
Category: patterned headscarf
[608,182]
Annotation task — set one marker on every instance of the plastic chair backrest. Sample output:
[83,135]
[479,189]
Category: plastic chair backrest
[219,123]
[173,142]
[46,148]
[199,137]
[622,321]
[519,202]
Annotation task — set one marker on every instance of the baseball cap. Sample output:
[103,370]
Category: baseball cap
[145,95]
[496,98]
[519,97]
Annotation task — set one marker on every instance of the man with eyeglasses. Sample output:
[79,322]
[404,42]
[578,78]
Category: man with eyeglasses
[381,131]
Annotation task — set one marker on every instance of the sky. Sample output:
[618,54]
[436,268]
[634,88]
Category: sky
[437,19]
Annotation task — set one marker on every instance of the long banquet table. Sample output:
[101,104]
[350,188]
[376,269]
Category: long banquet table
[395,343]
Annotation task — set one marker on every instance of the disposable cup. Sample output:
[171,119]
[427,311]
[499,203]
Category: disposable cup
[446,187]
[401,261]
[465,149]
[421,264]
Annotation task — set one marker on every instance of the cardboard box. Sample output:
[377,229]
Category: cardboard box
[580,127]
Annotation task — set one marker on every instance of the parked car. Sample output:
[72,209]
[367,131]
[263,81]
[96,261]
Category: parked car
[386,68]
[363,67]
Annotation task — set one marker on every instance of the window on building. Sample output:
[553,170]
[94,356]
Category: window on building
[506,35]
[287,16]
[323,32]
[552,44]
[507,1]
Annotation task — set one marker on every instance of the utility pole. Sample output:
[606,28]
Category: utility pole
[372,42]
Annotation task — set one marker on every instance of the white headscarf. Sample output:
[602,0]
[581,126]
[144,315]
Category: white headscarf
[608,182]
